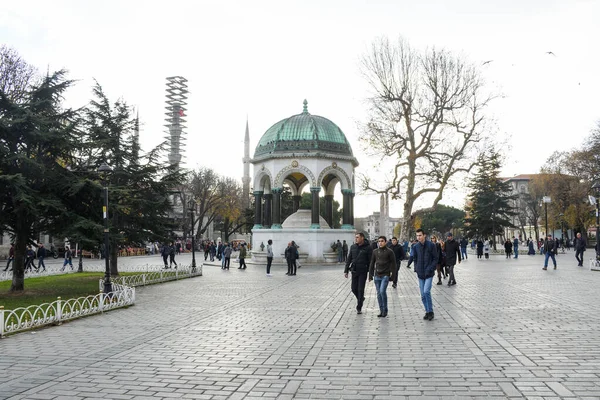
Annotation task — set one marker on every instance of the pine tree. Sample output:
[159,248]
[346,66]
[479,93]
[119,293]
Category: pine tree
[490,201]
[36,140]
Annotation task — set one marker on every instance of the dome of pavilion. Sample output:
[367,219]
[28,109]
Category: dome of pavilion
[303,133]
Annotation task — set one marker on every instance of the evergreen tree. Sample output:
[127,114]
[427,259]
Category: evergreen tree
[36,140]
[490,200]
[140,186]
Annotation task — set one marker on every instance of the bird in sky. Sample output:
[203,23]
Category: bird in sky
[551,53]
[487,62]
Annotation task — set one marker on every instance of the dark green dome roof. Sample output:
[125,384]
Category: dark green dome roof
[304,133]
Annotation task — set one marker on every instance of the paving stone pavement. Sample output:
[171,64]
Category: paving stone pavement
[506,330]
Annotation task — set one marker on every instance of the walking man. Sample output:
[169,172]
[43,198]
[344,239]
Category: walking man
[227,256]
[398,250]
[172,251]
[359,259]
[452,254]
[463,248]
[345,250]
[425,257]
[580,245]
[382,266]
[269,256]
[550,249]
[11,256]
[340,251]
[242,256]
[516,246]
[41,253]
[68,259]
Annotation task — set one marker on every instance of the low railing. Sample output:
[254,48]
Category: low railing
[24,318]
[58,269]
[162,275]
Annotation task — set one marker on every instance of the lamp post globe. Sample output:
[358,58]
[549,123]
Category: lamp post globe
[104,171]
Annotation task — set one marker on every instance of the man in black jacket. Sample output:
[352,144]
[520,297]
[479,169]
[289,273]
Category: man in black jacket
[580,245]
[382,267]
[452,253]
[398,250]
[359,258]
[550,250]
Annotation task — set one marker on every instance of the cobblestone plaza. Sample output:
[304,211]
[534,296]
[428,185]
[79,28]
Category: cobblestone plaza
[506,330]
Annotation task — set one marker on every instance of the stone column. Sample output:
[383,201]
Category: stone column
[296,203]
[257,210]
[352,209]
[267,217]
[314,191]
[347,209]
[329,209]
[276,221]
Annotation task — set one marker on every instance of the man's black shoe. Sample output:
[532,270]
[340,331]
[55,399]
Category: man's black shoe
[380,315]
[453,283]
[394,286]
[430,316]
[426,316]
[358,311]
[439,283]
[449,283]
[384,314]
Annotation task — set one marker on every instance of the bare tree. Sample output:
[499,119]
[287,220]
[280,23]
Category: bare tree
[16,75]
[426,113]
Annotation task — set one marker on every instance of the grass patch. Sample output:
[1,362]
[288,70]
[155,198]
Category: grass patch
[45,289]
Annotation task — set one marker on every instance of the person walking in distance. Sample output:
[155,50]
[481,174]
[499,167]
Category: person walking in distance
[516,246]
[68,259]
[453,253]
[164,252]
[29,260]
[41,254]
[242,256]
[579,245]
[463,248]
[269,256]
[550,250]
[227,255]
[345,250]
[382,266]
[398,250]
[358,261]
[172,251]
[11,256]
[291,255]
[425,258]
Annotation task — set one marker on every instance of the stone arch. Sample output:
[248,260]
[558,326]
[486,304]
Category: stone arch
[344,179]
[290,169]
[258,179]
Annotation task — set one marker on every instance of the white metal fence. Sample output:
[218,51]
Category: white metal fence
[151,277]
[24,318]
[123,295]
[58,269]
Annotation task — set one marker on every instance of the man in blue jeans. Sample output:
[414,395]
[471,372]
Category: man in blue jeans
[516,246]
[425,257]
[550,249]
[382,266]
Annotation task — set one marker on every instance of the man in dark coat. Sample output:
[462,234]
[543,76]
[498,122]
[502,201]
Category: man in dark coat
[580,245]
[425,257]
[399,253]
[382,267]
[359,259]
[452,255]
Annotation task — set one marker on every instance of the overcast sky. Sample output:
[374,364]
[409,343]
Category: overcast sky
[261,59]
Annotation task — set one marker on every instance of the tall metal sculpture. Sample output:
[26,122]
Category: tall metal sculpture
[175,116]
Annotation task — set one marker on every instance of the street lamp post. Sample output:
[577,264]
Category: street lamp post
[546,200]
[105,170]
[191,206]
[596,187]
[562,230]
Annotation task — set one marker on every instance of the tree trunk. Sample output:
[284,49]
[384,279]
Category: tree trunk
[18,281]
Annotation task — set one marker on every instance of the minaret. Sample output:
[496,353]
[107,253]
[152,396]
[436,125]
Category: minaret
[175,117]
[246,177]
[135,146]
